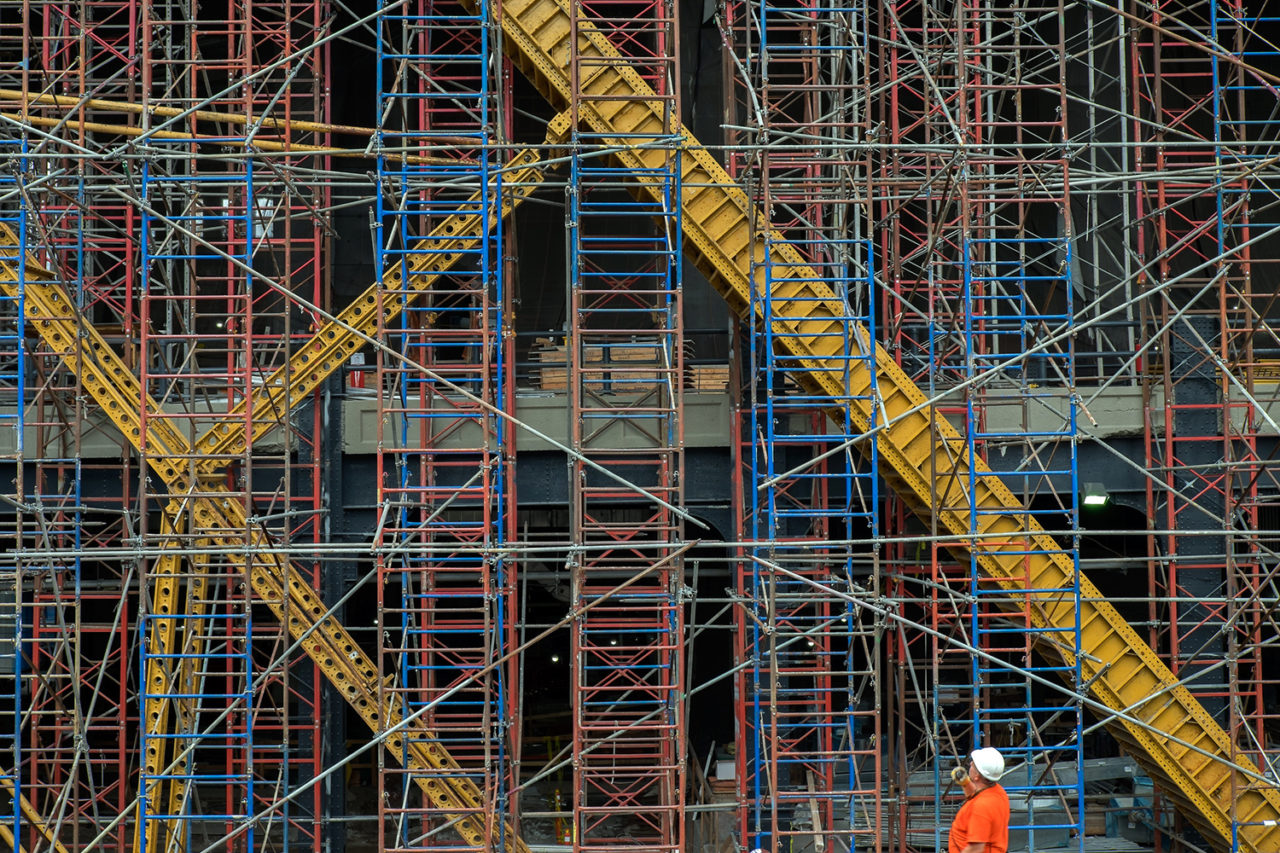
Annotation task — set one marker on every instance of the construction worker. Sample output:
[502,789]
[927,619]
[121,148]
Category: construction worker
[982,825]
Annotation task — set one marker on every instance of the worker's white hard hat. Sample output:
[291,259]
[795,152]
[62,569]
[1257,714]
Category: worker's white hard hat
[989,763]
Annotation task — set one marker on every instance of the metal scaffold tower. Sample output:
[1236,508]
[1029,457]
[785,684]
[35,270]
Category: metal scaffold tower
[983,299]
[12,570]
[810,681]
[282,566]
[625,364]
[1248,343]
[75,619]
[222,255]
[443,373]
[1211,345]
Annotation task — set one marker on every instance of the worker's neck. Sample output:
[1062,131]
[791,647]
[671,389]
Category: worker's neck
[973,787]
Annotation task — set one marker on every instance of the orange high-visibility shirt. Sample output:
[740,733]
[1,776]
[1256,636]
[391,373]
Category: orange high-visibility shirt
[983,817]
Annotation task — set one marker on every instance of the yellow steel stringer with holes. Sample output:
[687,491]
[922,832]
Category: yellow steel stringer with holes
[173,674]
[161,681]
[1167,730]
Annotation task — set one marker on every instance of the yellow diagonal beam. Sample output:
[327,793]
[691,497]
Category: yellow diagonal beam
[188,682]
[158,683]
[171,677]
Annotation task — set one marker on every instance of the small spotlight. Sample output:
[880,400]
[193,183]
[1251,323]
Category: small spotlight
[614,641]
[1095,495]
[555,658]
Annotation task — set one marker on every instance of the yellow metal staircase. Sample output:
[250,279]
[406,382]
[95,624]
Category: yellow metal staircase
[1164,726]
